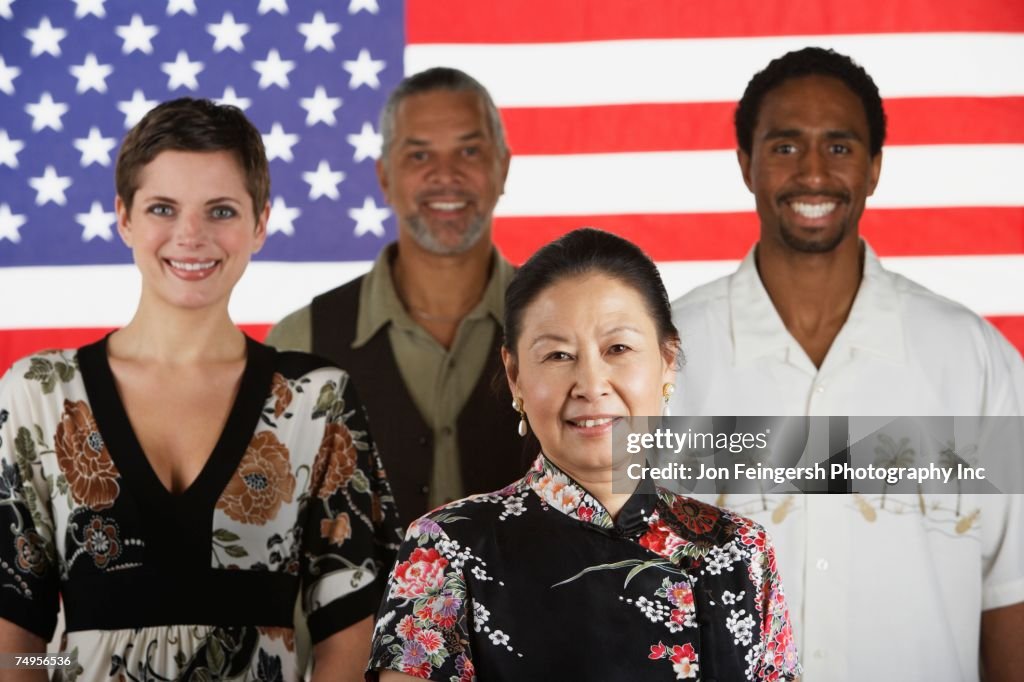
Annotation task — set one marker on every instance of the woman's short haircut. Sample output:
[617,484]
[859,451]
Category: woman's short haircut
[587,251]
[194,125]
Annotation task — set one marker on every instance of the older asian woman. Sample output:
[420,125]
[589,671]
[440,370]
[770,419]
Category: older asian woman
[176,483]
[563,575]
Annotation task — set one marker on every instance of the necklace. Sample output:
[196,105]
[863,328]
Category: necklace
[424,315]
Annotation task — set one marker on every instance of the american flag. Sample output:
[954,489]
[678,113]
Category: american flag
[618,114]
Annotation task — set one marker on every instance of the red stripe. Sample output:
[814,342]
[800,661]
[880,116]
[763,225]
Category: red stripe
[708,125]
[17,343]
[725,236]
[553,21]
[1012,327]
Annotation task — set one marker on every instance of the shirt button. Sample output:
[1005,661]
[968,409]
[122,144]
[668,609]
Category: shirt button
[822,564]
[423,441]
[819,389]
[819,653]
[425,489]
[446,432]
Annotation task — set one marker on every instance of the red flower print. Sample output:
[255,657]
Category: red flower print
[101,541]
[585,513]
[421,671]
[423,572]
[681,652]
[465,668]
[262,482]
[431,641]
[696,516]
[655,537]
[83,457]
[753,537]
[657,651]
[407,628]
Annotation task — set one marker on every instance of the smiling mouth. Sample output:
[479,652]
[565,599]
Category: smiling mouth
[812,211]
[591,423]
[446,205]
[192,266]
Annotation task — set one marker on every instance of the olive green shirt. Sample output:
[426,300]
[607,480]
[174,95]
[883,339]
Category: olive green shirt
[439,380]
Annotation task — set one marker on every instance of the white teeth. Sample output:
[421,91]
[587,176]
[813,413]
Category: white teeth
[813,210]
[447,205]
[590,423]
[192,267]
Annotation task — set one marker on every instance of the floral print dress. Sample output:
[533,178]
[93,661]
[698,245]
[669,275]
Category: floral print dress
[199,585]
[538,582]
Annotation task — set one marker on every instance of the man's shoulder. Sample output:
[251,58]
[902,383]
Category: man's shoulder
[295,330]
[701,297]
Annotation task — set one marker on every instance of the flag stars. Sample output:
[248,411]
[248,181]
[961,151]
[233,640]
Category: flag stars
[45,38]
[273,70]
[7,76]
[279,144]
[232,98]
[369,218]
[227,34]
[282,218]
[9,150]
[364,70]
[135,108]
[182,72]
[323,182]
[91,75]
[320,108]
[137,36]
[319,33]
[367,5]
[84,8]
[95,148]
[50,187]
[367,143]
[9,224]
[5,9]
[279,6]
[96,223]
[46,113]
[186,6]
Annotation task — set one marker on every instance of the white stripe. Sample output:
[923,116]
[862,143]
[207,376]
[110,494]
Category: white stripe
[718,69]
[709,181]
[106,295]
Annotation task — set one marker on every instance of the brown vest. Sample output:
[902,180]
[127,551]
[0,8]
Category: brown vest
[491,453]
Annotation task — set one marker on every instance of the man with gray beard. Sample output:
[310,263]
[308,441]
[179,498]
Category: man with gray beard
[420,332]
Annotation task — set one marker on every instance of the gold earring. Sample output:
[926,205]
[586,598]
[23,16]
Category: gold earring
[667,390]
[517,405]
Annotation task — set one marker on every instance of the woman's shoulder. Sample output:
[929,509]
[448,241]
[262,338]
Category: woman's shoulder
[708,525]
[474,512]
[41,373]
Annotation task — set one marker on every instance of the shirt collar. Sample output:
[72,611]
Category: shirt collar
[874,324]
[379,303]
[560,491]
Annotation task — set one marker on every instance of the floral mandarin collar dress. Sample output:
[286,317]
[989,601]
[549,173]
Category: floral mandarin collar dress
[537,582]
[199,585]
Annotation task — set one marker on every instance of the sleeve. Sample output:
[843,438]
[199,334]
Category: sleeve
[29,577]
[423,624]
[294,332]
[778,649]
[351,532]
[1002,535]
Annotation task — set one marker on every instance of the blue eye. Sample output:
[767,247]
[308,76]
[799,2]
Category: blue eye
[223,212]
[160,210]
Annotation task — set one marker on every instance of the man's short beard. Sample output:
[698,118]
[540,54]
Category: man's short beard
[794,242]
[429,242]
